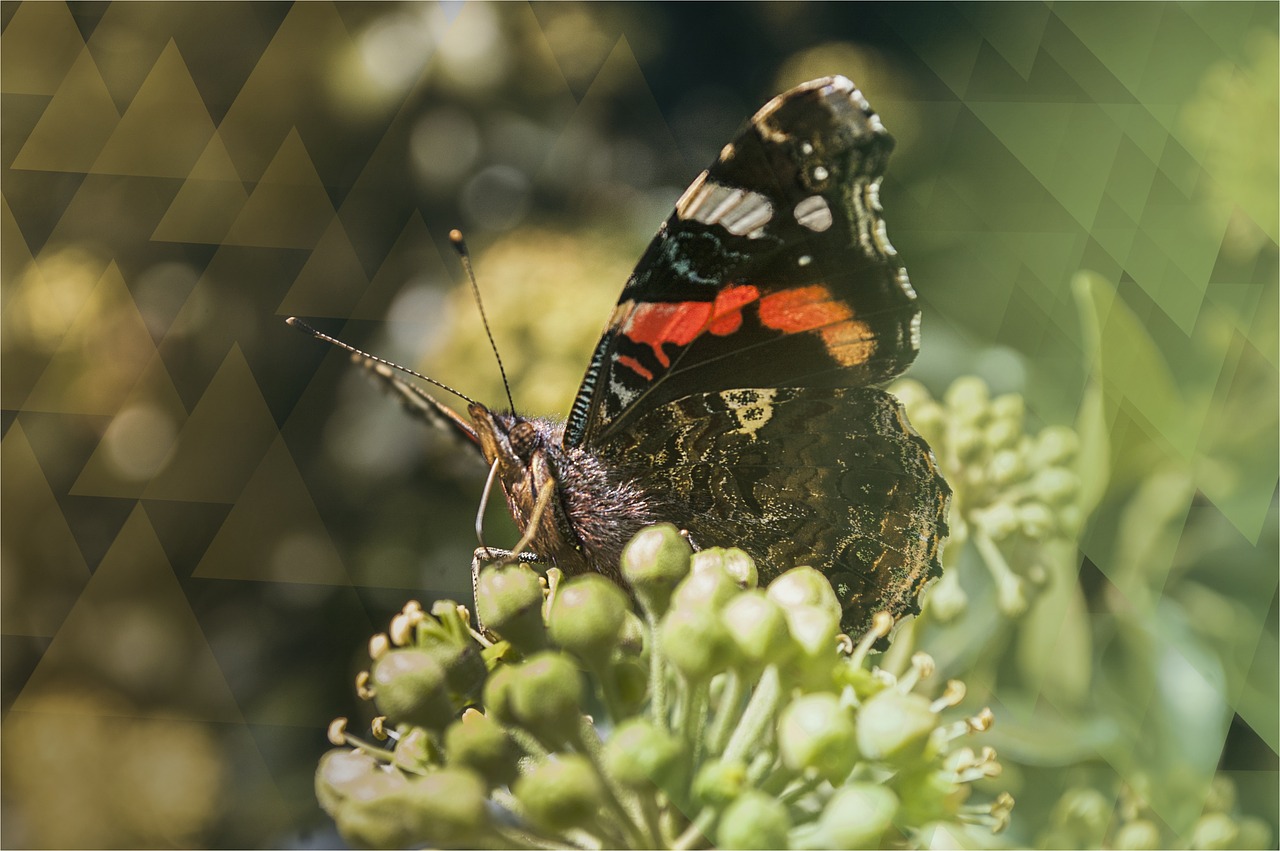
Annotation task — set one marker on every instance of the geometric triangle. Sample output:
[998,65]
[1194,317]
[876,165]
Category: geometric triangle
[40,43]
[185,530]
[138,441]
[621,72]
[299,59]
[1016,33]
[43,569]
[579,60]
[15,254]
[133,628]
[332,280]
[95,522]
[289,208]
[274,532]
[75,125]
[413,260]
[100,358]
[208,203]
[222,442]
[165,128]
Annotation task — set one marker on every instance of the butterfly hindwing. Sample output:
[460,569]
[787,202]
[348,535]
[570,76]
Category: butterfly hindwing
[832,478]
[773,271]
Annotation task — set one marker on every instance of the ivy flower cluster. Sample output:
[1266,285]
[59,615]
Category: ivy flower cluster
[1086,818]
[1015,495]
[705,711]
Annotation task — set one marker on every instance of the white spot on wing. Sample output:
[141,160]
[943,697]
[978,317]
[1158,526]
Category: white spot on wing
[751,408]
[813,213]
[738,211]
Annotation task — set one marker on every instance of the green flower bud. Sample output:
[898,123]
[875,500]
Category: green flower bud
[912,394]
[1055,446]
[640,755]
[968,398]
[1002,434]
[696,643]
[1035,520]
[895,727]
[632,637]
[560,793]
[813,629]
[509,602]
[1140,835]
[754,820]
[718,782]
[1006,467]
[927,795]
[930,420]
[1010,408]
[497,694]
[966,441]
[586,616]
[464,670]
[1070,520]
[731,561]
[630,682]
[373,815]
[410,688]
[1254,833]
[446,808]
[804,586]
[337,771]
[816,733]
[999,521]
[414,752]
[546,697]
[1214,831]
[705,589]
[653,563]
[1083,811]
[477,743]
[1055,485]
[945,598]
[758,628]
[857,815]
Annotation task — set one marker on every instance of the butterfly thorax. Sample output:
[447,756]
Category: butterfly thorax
[594,510]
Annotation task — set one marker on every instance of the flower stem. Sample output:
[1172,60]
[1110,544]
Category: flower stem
[756,717]
[728,711]
[629,818]
[657,675]
[696,831]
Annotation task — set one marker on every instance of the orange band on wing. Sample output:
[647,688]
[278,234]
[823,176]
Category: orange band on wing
[850,341]
[792,311]
[802,309]
[635,366]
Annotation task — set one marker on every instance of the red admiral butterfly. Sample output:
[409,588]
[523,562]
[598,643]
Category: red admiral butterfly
[731,392]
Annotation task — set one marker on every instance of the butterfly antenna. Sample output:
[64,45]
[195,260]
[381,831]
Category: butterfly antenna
[455,237]
[320,335]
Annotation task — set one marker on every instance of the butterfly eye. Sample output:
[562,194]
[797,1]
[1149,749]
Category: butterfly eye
[524,438]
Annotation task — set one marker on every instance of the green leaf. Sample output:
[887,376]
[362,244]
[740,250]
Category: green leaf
[1093,463]
[1134,377]
[1055,645]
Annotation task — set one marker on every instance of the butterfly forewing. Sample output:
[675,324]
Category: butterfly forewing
[773,271]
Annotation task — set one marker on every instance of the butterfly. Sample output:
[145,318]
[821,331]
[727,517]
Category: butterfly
[734,389]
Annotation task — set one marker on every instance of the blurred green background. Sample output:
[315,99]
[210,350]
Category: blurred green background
[206,514]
